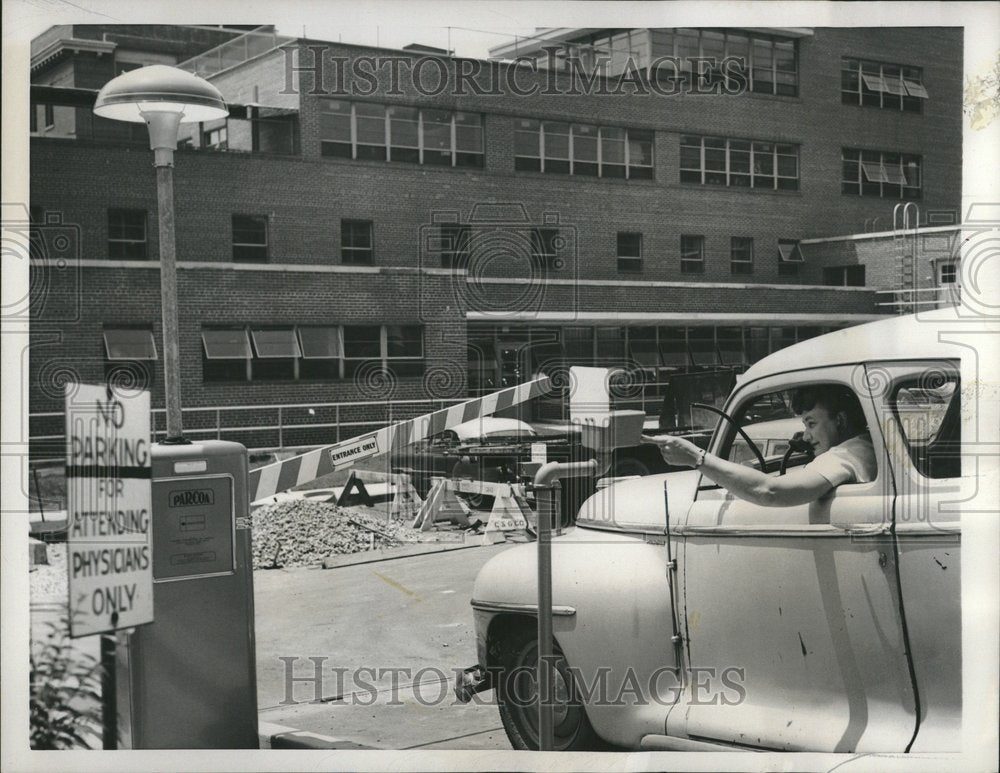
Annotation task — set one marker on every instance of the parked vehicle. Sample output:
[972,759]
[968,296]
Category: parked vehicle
[686,619]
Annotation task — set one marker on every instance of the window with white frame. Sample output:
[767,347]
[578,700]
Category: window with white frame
[739,163]
[250,238]
[741,255]
[321,351]
[880,173]
[127,234]
[226,354]
[357,242]
[879,84]
[789,257]
[276,353]
[692,254]
[844,276]
[629,251]
[948,272]
[130,354]
[583,150]
[368,130]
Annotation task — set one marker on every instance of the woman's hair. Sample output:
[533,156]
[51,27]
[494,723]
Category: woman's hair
[835,398]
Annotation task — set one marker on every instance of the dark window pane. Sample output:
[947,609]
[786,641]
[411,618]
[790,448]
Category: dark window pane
[356,242]
[319,342]
[249,237]
[362,341]
[404,341]
[629,244]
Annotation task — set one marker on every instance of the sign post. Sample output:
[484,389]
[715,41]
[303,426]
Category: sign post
[109,561]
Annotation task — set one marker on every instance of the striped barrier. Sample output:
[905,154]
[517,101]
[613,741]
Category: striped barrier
[269,480]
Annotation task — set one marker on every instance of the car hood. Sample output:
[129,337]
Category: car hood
[638,504]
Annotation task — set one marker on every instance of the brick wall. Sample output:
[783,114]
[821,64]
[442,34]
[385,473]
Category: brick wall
[882,255]
[305,198]
[66,335]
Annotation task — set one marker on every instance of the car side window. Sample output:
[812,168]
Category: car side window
[771,423]
[930,416]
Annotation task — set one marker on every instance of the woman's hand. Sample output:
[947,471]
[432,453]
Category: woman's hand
[677,451]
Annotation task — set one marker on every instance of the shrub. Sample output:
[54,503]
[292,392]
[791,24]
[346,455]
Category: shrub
[65,702]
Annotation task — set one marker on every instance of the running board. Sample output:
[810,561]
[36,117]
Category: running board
[669,743]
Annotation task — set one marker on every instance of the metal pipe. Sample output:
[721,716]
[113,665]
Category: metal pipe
[168,297]
[545,480]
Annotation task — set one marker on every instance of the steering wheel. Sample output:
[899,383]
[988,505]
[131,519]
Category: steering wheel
[750,444]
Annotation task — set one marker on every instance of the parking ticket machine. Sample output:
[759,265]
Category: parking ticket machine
[188,679]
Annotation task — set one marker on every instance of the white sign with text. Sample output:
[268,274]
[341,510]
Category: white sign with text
[108,482]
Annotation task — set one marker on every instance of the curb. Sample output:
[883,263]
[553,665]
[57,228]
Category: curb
[274,736]
[389,554]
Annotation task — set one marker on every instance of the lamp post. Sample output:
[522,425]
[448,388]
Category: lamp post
[163,97]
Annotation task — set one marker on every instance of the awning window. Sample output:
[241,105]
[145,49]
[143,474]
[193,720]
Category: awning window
[276,343]
[226,344]
[874,172]
[790,253]
[894,174]
[894,85]
[320,343]
[915,89]
[129,344]
[874,82]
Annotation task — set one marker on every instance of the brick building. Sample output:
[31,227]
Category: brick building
[373,223]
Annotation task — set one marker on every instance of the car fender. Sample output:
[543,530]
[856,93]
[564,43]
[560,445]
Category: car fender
[611,620]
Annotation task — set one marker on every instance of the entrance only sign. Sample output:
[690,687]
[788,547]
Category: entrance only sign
[108,477]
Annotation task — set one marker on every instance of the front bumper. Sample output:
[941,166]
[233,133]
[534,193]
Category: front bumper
[474,679]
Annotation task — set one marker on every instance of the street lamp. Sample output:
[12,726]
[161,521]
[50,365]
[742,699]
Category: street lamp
[163,97]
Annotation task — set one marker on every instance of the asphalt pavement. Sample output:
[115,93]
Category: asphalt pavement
[367,653]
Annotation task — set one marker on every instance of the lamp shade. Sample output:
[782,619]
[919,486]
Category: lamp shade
[162,89]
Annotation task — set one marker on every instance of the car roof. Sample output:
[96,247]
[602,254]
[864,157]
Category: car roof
[491,425]
[912,337]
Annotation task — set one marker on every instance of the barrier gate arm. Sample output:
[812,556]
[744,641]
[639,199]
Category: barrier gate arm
[274,478]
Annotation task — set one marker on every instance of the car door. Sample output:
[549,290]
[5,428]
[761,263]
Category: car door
[920,409]
[802,602]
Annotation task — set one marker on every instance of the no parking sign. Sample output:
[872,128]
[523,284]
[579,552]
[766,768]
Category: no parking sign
[108,477]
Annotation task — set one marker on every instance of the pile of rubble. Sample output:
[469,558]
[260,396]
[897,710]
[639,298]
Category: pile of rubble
[303,533]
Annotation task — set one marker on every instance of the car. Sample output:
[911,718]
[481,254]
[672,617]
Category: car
[687,619]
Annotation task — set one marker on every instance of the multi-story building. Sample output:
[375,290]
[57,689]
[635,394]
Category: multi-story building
[372,223]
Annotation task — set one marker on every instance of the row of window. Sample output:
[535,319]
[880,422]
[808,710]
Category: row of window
[367,130]
[127,240]
[504,356]
[769,64]
[582,149]
[248,353]
[884,85]
[388,133]
[741,255]
[878,173]
[739,163]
